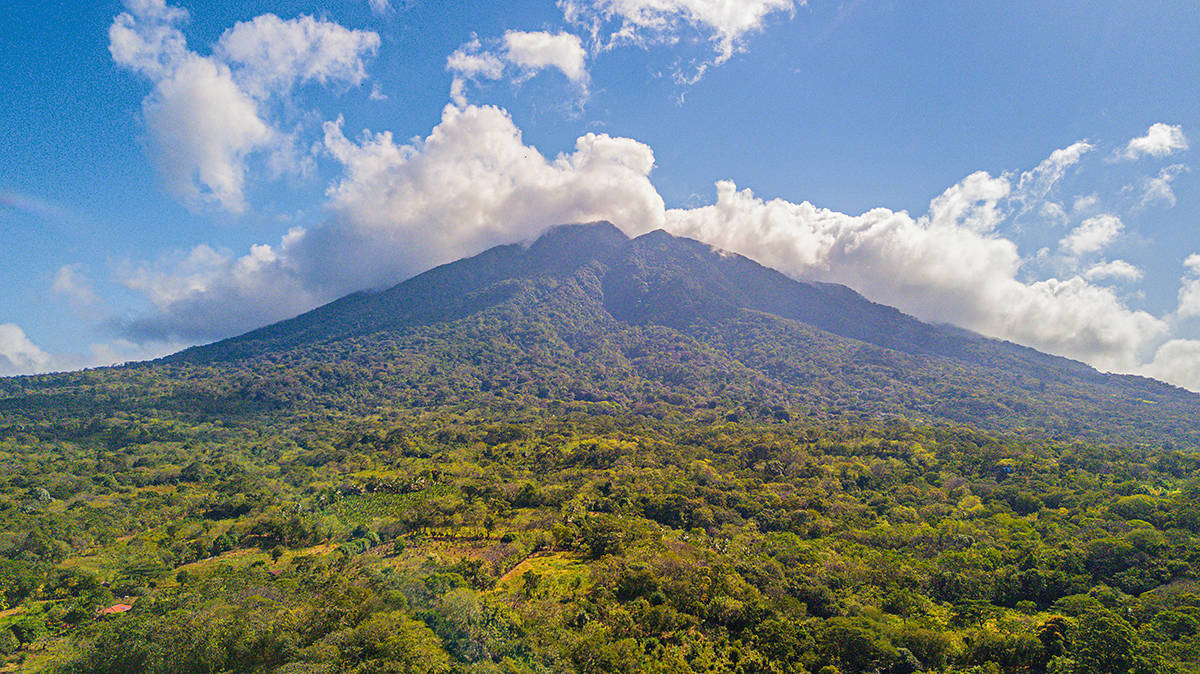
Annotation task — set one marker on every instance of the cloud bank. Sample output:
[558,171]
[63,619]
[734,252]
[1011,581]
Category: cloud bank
[399,209]
[945,266]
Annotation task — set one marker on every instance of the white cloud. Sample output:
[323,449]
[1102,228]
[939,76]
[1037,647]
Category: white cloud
[1035,185]
[18,355]
[973,203]
[1053,213]
[208,294]
[937,267]
[1118,270]
[1086,203]
[1189,298]
[1177,362]
[147,37]
[1157,190]
[71,282]
[272,55]
[1189,290]
[1093,234]
[533,51]
[470,60]
[398,210]
[202,128]
[473,182]
[1192,263]
[207,115]
[528,52]
[380,6]
[725,22]
[1160,140]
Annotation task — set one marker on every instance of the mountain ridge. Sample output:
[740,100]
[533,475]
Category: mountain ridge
[954,340]
[817,345]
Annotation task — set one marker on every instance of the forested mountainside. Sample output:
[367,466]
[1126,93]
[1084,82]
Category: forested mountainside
[584,313]
[598,454]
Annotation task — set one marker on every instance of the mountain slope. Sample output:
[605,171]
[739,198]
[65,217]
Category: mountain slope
[627,320]
[585,314]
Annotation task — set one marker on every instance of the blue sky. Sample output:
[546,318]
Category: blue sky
[177,173]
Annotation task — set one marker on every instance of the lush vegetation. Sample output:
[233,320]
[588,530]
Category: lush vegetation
[592,541]
[546,463]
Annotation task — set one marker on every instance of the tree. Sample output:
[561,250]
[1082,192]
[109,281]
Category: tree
[1105,644]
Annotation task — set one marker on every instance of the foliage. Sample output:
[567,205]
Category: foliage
[506,467]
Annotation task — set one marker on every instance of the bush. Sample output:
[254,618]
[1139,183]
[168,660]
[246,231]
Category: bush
[30,628]
[8,642]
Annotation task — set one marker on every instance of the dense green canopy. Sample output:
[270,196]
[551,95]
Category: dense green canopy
[541,478]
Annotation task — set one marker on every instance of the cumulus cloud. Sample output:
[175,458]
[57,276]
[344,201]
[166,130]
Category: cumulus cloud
[1085,203]
[471,62]
[533,51]
[1192,263]
[473,182]
[1178,362]
[206,115]
[202,128]
[944,267]
[1160,140]
[18,355]
[1092,234]
[399,209]
[973,203]
[380,6]
[272,55]
[1189,298]
[207,293]
[724,22]
[1117,270]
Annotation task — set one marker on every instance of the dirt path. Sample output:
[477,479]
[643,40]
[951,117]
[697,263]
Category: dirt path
[533,555]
